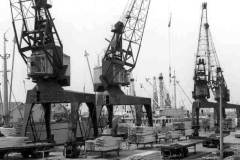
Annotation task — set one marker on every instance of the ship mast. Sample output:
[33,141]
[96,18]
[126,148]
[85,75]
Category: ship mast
[5,56]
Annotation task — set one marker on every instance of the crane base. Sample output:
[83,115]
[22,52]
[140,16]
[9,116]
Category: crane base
[197,105]
[115,96]
[48,93]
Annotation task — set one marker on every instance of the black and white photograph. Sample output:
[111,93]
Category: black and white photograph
[119,80]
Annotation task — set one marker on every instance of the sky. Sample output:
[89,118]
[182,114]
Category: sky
[83,25]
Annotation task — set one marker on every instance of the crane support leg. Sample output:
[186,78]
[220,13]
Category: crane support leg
[74,118]
[139,114]
[195,119]
[110,115]
[47,118]
[149,114]
[27,114]
[92,112]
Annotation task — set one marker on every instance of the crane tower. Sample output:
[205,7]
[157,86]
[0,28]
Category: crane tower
[208,76]
[120,59]
[41,48]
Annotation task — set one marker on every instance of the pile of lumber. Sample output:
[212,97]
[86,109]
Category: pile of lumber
[175,134]
[123,128]
[147,155]
[12,141]
[90,145]
[142,135]
[178,126]
[236,134]
[104,143]
[188,132]
[18,127]
[8,131]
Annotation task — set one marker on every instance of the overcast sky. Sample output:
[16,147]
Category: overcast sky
[83,25]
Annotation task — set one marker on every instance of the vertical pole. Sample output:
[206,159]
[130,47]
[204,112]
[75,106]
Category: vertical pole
[5,88]
[161,90]
[175,91]
[221,124]
[155,96]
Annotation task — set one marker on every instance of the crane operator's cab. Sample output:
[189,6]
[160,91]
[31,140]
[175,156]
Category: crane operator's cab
[201,84]
[42,65]
[112,71]
[110,74]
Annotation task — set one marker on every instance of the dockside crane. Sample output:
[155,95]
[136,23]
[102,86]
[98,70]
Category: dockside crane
[208,77]
[41,48]
[120,59]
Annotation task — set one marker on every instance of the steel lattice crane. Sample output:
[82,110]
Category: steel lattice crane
[208,75]
[208,71]
[41,48]
[121,57]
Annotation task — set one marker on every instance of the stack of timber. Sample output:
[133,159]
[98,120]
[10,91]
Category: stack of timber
[104,143]
[188,132]
[123,128]
[142,135]
[178,126]
[147,155]
[90,145]
[237,134]
[18,127]
[8,131]
[12,141]
[176,134]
